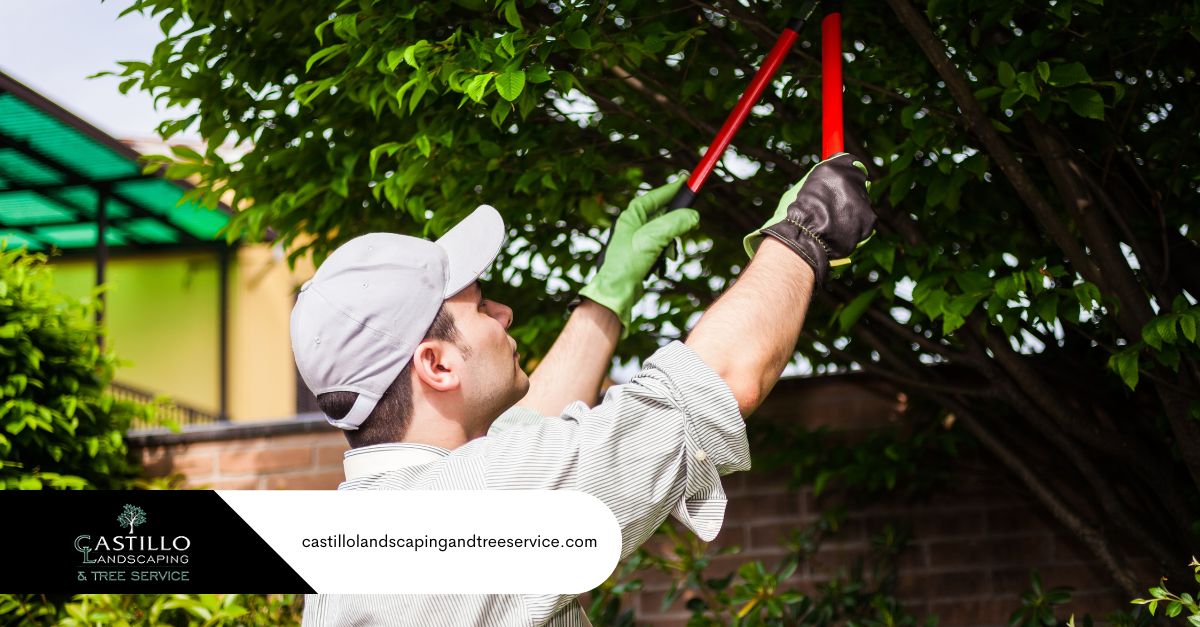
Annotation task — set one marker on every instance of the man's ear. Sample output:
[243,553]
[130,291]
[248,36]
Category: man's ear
[438,364]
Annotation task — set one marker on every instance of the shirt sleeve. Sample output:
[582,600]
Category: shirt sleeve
[654,447]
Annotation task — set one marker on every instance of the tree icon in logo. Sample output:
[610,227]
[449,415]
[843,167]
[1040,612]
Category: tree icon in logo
[132,515]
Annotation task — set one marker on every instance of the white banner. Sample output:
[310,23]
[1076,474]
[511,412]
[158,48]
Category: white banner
[445,542]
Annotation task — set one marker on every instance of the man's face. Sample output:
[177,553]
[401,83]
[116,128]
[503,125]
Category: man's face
[492,379]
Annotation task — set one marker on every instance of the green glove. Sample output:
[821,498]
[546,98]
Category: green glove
[634,245]
[824,217]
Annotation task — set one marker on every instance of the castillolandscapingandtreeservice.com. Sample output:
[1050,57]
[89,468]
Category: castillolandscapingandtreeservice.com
[355,541]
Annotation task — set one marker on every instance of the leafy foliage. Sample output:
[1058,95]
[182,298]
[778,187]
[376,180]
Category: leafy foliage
[209,610]
[762,594]
[61,428]
[1174,604]
[1034,173]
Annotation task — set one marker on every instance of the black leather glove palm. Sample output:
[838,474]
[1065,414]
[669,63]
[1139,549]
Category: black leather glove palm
[824,217]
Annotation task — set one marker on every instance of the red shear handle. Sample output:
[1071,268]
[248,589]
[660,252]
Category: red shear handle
[832,139]
[753,92]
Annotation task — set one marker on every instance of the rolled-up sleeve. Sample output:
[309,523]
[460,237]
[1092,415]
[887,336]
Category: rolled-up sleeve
[653,447]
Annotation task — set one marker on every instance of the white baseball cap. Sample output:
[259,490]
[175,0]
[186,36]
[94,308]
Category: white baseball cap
[358,321]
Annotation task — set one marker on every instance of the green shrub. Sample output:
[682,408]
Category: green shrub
[59,427]
[209,610]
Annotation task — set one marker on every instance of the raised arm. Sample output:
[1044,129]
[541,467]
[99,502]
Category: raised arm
[581,355]
[749,335]
[575,365]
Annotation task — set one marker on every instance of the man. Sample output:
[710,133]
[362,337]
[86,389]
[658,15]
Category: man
[409,357]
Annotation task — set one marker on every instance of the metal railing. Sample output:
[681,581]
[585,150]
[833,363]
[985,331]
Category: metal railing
[166,409]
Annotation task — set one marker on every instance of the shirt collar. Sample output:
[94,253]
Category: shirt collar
[378,458]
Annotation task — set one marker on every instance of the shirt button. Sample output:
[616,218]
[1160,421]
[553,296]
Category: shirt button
[701,456]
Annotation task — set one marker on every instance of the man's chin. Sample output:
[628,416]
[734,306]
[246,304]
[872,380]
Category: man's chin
[523,384]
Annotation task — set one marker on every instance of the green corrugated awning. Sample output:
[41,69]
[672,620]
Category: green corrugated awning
[56,169]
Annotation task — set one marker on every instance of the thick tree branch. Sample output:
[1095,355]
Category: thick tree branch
[1091,536]
[981,126]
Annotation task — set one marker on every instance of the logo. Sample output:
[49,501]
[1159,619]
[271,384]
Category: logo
[130,557]
[133,516]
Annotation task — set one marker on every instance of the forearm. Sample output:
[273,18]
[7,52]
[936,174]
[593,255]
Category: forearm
[576,364]
[749,335]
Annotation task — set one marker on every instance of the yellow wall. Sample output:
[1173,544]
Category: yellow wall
[162,322]
[262,377]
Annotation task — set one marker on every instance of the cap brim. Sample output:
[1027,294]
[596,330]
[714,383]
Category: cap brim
[471,247]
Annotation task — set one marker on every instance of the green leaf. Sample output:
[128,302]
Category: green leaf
[1069,74]
[1005,74]
[511,15]
[1011,96]
[1150,335]
[422,142]
[951,322]
[1125,364]
[580,39]
[1187,324]
[394,58]
[855,309]
[1086,103]
[323,55]
[477,86]
[1043,70]
[1047,307]
[537,74]
[346,26]
[510,84]
[1028,85]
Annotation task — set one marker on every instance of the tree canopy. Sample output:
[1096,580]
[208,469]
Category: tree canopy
[1034,169]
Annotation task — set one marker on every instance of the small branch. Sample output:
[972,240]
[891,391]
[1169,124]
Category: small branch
[981,126]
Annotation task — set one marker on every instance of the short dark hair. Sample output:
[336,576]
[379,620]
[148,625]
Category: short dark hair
[389,421]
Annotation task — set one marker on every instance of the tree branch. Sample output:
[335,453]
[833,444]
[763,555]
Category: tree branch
[981,126]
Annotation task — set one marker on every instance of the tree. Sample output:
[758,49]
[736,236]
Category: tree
[132,515]
[1034,171]
[59,426]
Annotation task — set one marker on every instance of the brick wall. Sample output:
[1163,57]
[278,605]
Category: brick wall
[303,454]
[969,561]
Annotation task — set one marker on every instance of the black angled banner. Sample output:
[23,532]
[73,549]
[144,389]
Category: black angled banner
[187,541]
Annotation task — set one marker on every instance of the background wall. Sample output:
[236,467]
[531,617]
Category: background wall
[163,322]
[973,545]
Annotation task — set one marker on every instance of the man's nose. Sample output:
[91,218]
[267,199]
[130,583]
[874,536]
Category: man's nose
[501,312]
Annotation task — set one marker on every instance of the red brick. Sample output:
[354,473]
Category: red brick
[985,611]
[943,584]
[766,482]
[832,561]
[730,536]
[1069,550]
[325,480]
[1028,550]
[331,454]
[937,524]
[1080,577]
[914,557]
[265,460]
[240,483]
[1097,604]
[771,535]
[781,505]
[1017,519]
[668,620]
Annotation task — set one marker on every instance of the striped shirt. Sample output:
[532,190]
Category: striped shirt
[653,447]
